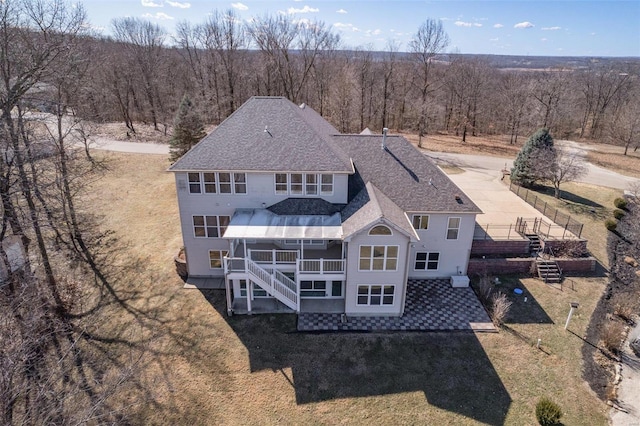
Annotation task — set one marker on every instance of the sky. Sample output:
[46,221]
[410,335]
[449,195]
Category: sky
[516,27]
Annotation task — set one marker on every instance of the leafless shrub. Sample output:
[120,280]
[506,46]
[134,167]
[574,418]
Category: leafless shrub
[612,336]
[485,291]
[625,307]
[500,307]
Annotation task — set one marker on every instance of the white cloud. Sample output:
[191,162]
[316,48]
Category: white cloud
[543,39]
[305,9]
[551,28]
[592,34]
[467,24]
[239,6]
[341,11]
[343,26]
[498,25]
[494,39]
[158,15]
[179,4]
[150,3]
[525,24]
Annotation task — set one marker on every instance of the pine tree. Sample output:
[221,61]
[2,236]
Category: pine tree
[187,129]
[523,171]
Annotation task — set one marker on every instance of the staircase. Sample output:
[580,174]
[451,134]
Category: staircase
[549,271]
[534,243]
[276,284]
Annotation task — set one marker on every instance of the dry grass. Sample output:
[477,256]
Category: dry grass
[203,367]
[626,164]
[497,146]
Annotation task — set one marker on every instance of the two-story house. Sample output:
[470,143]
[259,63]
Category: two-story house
[292,213]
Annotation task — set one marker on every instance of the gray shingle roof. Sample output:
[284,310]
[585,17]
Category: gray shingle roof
[305,206]
[268,134]
[402,173]
[369,206]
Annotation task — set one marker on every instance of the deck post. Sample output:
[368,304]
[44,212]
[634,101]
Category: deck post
[229,301]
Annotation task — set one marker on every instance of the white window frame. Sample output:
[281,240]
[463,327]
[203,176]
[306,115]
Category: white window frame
[321,178]
[239,182]
[222,254]
[386,258]
[208,186]
[453,228]
[220,229]
[192,183]
[311,184]
[380,235]
[304,291]
[427,261]
[284,191]
[421,218]
[373,298]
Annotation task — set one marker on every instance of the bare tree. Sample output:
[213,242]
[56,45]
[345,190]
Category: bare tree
[430,40]
[624,128]
[558,166]
[278,36]
[144,42]
[514,98]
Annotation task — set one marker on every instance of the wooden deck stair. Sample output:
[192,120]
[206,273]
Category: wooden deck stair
[549,271]
[534,243]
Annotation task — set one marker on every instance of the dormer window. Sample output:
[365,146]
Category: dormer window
[380,230]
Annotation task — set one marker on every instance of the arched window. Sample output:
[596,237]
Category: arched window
[380,230]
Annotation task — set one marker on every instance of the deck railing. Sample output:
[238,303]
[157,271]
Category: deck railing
[274,256]
[321,266]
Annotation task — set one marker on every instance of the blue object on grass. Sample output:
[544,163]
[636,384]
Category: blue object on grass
[517,290]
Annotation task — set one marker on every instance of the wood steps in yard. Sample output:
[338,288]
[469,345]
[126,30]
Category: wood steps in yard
[549,271]
[534,243]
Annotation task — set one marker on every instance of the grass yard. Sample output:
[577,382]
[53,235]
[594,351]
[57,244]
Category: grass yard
[195,365]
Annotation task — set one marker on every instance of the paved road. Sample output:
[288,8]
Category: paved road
[133,147]
[595,176]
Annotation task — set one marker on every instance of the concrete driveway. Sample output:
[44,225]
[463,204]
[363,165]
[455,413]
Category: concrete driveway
[595,175]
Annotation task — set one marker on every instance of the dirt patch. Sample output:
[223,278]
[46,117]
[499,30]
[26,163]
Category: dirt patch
[627,164]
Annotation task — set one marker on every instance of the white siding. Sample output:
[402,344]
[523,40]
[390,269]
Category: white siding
[260,189]
[356,277]
[454,254]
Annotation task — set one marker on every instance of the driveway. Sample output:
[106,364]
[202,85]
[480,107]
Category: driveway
[132,147]
[595,175]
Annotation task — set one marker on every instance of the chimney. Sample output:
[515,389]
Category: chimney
[384,138]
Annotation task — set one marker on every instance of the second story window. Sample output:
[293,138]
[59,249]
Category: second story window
[453,227]
[240,183]
[310,184]
[420,221]
[217,183]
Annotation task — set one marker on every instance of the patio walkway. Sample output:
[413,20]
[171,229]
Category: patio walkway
[432,305]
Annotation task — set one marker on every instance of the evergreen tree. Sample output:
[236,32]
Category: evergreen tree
[524,171]
[187,129]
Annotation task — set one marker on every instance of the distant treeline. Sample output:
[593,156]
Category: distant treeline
[140,75]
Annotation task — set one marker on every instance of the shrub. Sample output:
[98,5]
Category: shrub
[617,213]
[620,203]
[500,308]
[485,290]
[548,412]
[611,224]
[612,336]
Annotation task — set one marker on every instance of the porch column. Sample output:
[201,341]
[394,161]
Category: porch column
[301,249]
[249,295]
[229,301]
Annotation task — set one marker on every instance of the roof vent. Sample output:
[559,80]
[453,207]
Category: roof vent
[384,138]
[266,130]
[303,105]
